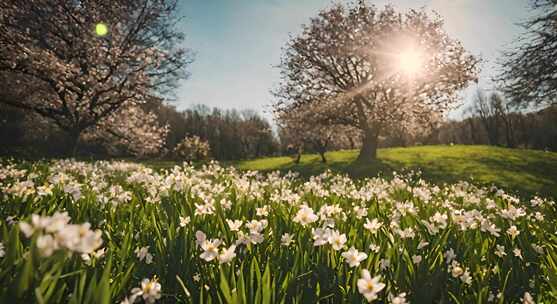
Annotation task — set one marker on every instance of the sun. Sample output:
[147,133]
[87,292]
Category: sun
[410,62]
[101,29]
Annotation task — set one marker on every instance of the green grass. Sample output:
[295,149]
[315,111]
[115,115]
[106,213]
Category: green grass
[524,171]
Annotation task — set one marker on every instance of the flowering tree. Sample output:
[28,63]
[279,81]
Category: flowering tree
[192,148]
[306,125]
[375,70]
[139,133]
[93,60]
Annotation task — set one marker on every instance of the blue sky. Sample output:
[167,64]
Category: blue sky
[238,42]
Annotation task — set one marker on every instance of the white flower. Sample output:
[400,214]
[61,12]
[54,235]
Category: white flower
[286,239]
[256,238]
[490,297]
[337,240]
[537,248]
[320,236]
[466,278]
[374,248]
[455,269]
[500,251]
[243,239]
[2,251]
[204,209]
[450,255]
[416,259]
[226,204]
[46,245]
[86,257]
[368,286]
[256,226]
[234,225]
[263,211]
[184,221]
[517,253]
[360,212]
[211,249]
[11,220]
[491,228]
[353,257]
[126,300]
[513,231]
[227,255]
[79,238]
[440,219]
[372,226]
[384,264]
[55,233]
[150,291]
[400,299]
[143,254]
[422,244]
[74,189]
[527,299]
[200,237]
[305,216]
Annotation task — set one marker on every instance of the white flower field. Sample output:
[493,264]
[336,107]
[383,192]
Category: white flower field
[116,232]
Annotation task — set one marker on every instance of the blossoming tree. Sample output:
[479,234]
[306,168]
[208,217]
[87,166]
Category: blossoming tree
[93,60]
[306,124]
[375,70]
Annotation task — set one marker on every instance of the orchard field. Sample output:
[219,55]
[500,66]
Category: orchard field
[111,232]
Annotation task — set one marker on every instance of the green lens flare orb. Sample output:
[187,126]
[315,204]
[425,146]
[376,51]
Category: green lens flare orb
[101,29]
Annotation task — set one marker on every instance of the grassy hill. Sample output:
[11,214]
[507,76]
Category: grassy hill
[523,171]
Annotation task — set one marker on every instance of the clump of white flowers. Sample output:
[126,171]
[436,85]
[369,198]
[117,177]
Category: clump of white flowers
[457,271]
[56,233]
[330,219]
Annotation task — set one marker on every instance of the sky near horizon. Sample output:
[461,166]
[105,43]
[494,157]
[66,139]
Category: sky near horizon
[237,43]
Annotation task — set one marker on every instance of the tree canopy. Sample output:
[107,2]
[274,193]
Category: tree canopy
[374,69]
[91,60]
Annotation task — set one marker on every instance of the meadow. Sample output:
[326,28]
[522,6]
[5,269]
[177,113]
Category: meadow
[523,171]
[121,232]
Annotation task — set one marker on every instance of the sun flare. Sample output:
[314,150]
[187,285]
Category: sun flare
[410,62]
[101,29]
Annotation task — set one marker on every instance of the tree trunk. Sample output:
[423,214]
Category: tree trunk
[74,136]
[298,155]
[472,131]
[509,131]
[368,152]
[323,159]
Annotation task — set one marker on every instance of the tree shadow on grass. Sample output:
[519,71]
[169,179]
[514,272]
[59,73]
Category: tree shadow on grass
[313,166]
[524,177]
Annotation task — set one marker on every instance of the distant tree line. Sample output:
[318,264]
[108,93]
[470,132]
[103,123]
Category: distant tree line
[231,134]
[490,120]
